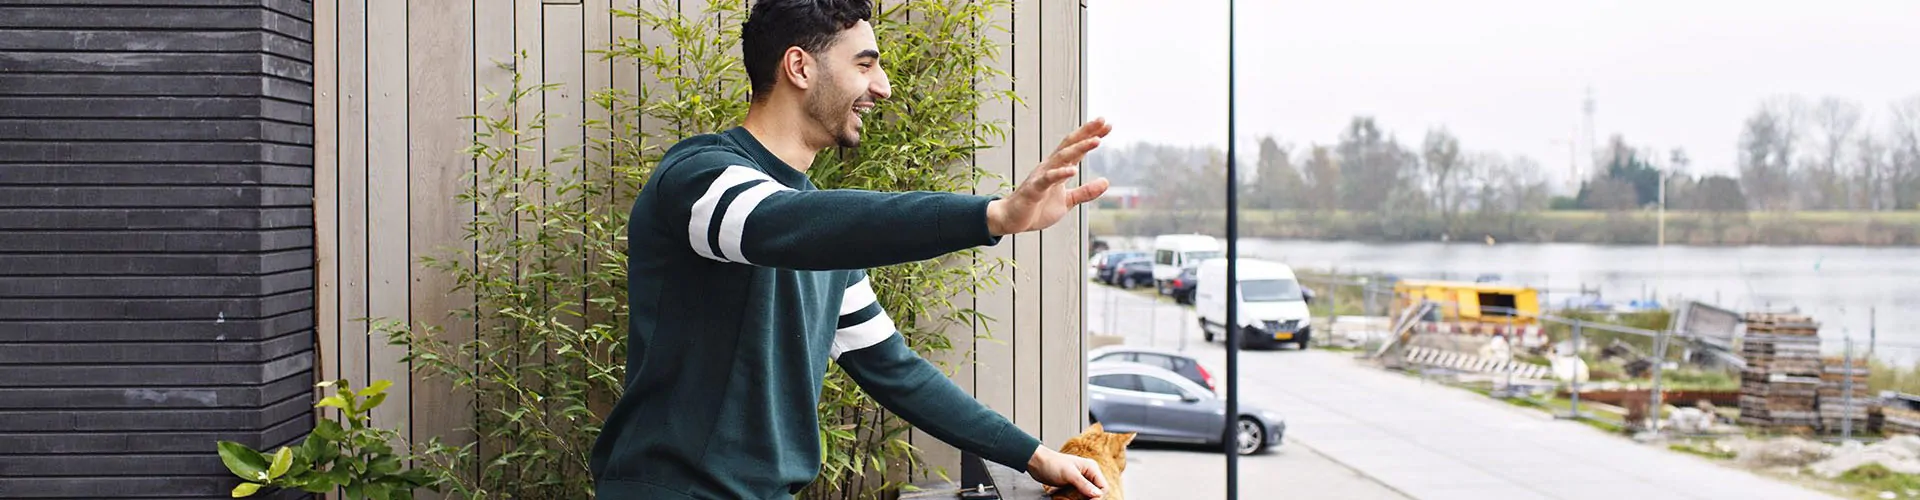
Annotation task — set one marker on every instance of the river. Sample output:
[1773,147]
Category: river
[1844,288]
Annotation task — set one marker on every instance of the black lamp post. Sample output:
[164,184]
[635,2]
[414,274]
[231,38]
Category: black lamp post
[1231,439]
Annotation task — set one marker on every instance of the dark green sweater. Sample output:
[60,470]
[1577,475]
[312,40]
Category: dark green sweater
[745,281]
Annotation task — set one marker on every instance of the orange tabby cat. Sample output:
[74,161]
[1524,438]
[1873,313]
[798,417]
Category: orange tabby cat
[1107,448]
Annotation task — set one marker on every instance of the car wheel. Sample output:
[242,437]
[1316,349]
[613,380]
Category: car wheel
[1204,332]
[1127,283]
[1251,437]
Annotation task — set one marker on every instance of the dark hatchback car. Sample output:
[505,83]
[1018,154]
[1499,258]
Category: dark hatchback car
[1110,262]
[1175,362]
[1133,273]
[1181,288]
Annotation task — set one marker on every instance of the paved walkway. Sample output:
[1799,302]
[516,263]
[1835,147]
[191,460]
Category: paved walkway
[1429,441]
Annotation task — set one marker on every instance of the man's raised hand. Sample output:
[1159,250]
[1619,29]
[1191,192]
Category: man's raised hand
[1043,198]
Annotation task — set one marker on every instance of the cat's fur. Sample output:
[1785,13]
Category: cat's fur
[1107,448]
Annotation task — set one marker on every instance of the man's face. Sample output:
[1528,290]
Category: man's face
[850,81]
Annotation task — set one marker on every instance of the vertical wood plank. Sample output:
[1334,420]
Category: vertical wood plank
[993,353]
[597,74]
[528,32]
[1028,150]
[651,82]
[1060,272]
[563,51]
[597,34]
[326,185]
[390,259]
[566,106]
[493,60]
[626,72]
[352,333]
[440,75]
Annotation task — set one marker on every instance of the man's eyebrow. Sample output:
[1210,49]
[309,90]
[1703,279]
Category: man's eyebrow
[869,53]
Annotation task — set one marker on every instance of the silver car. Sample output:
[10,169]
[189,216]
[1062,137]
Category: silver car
[1161,405]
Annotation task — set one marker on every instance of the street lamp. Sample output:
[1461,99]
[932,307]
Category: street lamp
[1230,432]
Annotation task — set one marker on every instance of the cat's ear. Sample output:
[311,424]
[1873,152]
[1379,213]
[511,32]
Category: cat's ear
[1094,429]
[1127,438]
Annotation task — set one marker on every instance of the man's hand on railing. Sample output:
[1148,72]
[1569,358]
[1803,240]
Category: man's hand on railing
[1059,469]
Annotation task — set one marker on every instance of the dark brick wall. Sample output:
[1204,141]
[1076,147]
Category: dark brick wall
[156,241]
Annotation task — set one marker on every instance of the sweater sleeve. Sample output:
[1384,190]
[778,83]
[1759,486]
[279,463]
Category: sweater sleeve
[732,212]
[874,353]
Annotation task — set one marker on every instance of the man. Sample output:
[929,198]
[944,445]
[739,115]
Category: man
[745,280]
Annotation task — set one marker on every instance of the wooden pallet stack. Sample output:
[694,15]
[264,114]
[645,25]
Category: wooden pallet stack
[1897,420]
[1834,404]
[1780,388]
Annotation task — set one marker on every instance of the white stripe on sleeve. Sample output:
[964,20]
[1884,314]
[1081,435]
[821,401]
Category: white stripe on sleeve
[735,222]
[857,297]
[863,335]
[699,224]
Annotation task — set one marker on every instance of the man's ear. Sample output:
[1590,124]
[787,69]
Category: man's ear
[797,66]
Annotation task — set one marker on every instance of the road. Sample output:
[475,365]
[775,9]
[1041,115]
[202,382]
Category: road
[1421,439]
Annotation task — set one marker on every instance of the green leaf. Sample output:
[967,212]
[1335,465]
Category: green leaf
[329,430]
[311,450]
[282,461]
[243,461]
[385,466]
[319,484]
[356,492]
[417,477]
[377,387]
[335,402]
[374,401]
[380,491]
[246,490]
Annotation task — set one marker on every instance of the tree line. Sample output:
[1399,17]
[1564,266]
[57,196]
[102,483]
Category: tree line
[1795,154]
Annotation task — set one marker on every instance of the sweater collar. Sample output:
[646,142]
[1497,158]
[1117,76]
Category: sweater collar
[772,164]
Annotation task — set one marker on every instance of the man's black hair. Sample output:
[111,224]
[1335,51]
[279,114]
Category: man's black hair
[776,25]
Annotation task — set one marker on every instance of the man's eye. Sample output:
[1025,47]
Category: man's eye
[866,65]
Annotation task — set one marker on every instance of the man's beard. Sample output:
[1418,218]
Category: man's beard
[832,114]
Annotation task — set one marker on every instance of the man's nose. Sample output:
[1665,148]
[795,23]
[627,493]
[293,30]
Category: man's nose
[880,88]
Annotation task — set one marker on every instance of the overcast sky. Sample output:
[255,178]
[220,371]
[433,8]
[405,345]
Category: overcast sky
[1503,75]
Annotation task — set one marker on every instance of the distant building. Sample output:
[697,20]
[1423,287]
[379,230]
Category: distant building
[1123,197]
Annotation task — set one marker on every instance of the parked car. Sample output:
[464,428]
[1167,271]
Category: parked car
[1174,251]
[1181,288]
[1093,265]
[1111,260]
[1273,311]
[1175,362]
[1163,406]
[1133,273]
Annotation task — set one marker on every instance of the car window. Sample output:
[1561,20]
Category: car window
[1158,386]
[1157,360]
[1123,382]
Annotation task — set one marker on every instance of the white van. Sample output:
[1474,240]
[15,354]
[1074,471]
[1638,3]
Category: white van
[1174,251]
[1273,310]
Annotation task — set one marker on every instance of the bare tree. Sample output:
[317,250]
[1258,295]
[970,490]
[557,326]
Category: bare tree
[1870,163]
[1323,179]
[1376,172]
[1904,142]
[1441,154]
[1767,147]
[1278,185]
[1835,121]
